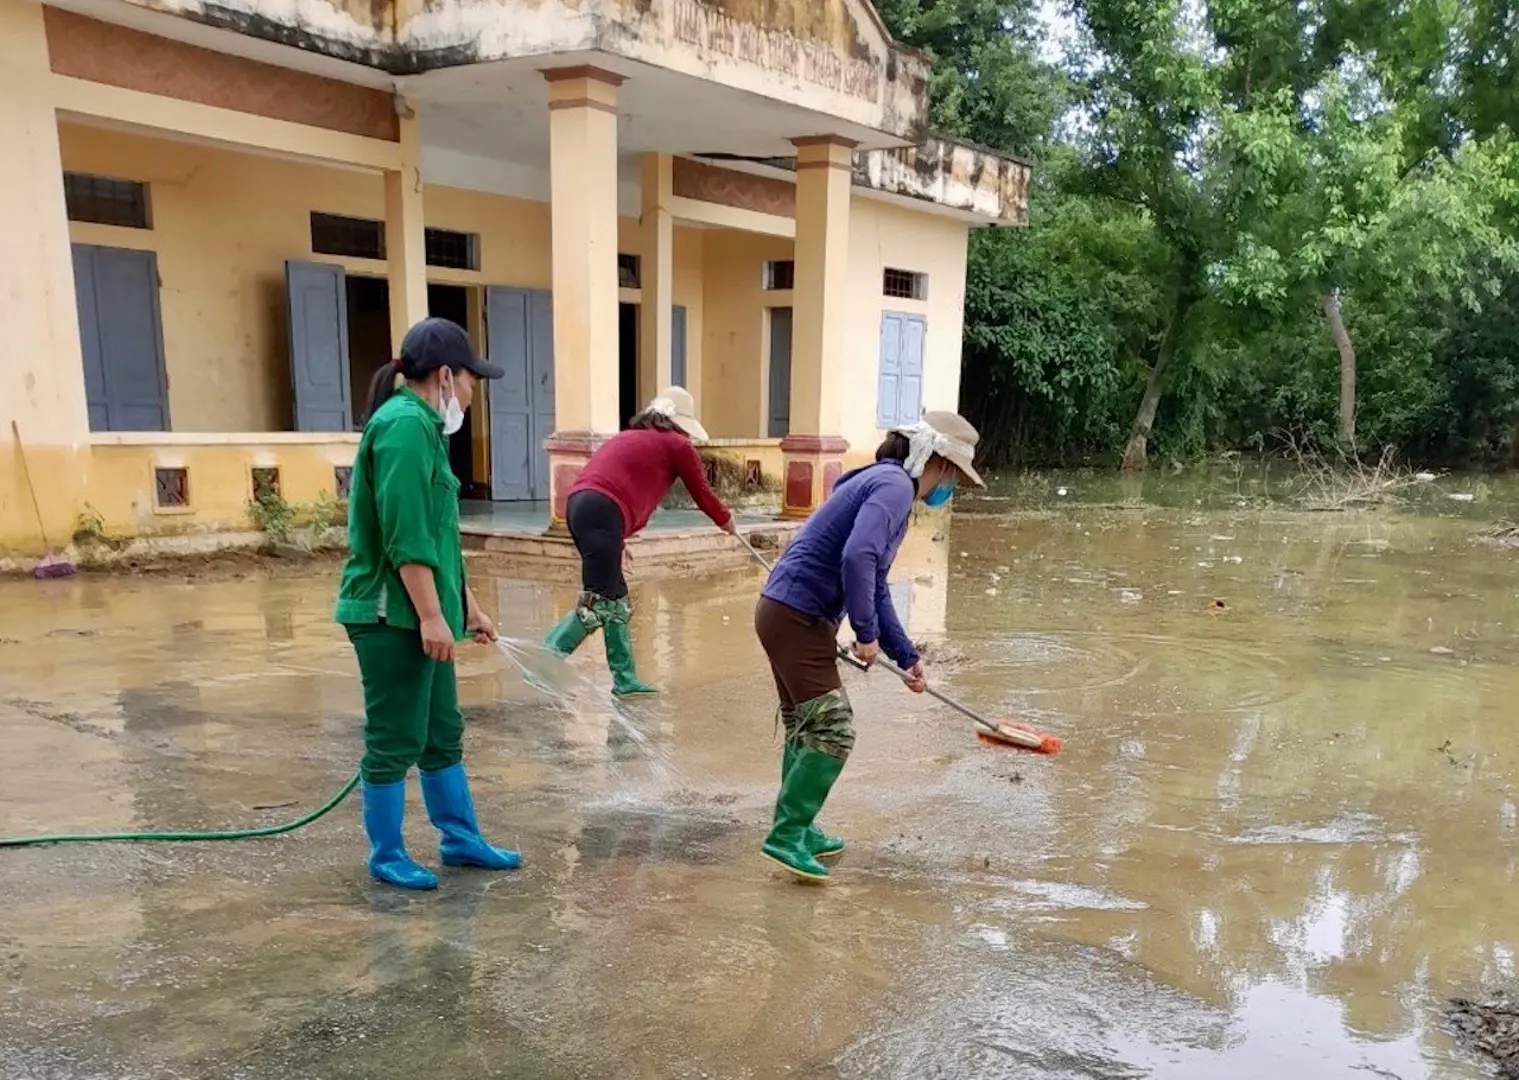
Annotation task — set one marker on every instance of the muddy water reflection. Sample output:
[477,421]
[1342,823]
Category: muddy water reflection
[1282,831]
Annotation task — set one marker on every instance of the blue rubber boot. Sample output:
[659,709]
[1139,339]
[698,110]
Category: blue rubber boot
[451,809]
[384,808]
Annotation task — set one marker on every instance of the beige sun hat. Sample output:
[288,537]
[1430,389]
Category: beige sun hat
[947,434]
[676,403]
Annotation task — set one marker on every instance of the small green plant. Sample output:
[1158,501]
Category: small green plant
[272,515]
[327,512]
[89,527]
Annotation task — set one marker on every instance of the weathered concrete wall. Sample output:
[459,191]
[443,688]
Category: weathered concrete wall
[832,56]
[219,471]
[103,52]
[951,174]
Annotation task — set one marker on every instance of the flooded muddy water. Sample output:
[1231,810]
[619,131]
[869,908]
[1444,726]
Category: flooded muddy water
[1281,835]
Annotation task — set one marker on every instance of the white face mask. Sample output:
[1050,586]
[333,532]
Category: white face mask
[453,412]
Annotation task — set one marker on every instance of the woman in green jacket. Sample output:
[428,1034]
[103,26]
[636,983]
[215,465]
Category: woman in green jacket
[404,601]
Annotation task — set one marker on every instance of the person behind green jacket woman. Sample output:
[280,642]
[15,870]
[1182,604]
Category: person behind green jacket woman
[405,601]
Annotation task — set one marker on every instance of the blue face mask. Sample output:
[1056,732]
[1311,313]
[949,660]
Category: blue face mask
[940,493]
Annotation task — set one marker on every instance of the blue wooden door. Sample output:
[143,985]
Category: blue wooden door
[121,335]
[780,372]
[316,299]
[520,337]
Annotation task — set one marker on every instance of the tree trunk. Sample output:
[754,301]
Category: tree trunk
[1134,454]
[1347,365]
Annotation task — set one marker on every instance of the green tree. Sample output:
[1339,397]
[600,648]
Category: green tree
[1333,214]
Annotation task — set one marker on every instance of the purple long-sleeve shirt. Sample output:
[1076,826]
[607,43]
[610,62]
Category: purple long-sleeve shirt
[840,559]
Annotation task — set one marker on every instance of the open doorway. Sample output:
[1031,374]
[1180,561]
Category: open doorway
[369,347]
[627,363]
[368,338]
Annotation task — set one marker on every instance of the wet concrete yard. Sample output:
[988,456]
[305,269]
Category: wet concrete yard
[1281,834]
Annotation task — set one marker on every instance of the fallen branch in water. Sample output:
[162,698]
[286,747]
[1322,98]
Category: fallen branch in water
[1348,482]
[1503,535]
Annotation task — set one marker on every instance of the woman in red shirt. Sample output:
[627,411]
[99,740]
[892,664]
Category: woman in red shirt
[621,487]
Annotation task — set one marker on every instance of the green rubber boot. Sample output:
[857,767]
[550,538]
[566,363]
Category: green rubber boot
[574,628]
[615,616]
[819,843]
[803,793]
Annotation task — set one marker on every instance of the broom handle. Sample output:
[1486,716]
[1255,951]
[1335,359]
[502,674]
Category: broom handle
[855,662]
[31,488]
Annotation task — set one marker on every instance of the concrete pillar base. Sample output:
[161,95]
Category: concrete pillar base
[568,453]
[810,466]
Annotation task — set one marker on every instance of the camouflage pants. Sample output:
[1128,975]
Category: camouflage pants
[595,611]
[824,724]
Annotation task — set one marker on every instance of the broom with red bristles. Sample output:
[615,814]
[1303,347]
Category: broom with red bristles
[52,564]
[1005,733]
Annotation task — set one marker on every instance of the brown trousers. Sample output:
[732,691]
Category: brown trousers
[803,652]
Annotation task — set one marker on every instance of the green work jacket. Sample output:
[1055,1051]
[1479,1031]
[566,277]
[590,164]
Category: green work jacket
[403,508]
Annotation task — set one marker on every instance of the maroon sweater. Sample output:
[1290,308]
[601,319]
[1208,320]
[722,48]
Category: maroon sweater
[635,468]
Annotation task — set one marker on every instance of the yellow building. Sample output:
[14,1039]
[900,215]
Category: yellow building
[218,218]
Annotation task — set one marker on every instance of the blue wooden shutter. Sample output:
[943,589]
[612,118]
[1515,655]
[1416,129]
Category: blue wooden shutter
[508,344]
[121,335]
[889,373]
[316,299]
[910,393]
[678,347]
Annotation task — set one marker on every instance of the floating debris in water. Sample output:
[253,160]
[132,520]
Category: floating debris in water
[1490,1028]
[1502,535]
[1462,496]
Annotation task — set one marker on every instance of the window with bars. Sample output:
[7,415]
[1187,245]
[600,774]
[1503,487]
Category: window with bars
[780,275]
[266,486]
[342,481]
[103,200]
[171,488]
[629,271]
[454,250]
[904,284]
[356,238]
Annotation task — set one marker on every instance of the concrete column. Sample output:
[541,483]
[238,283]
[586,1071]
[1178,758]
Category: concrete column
[814,451]
[658,279]
[406,233]
[42,366]
[583,214]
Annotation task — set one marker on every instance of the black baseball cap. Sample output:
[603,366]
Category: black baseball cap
[437,343]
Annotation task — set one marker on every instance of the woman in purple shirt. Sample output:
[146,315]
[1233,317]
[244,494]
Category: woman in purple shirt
[838,563]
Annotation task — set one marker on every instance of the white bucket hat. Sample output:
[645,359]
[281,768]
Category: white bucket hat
[947,434]
[676,403]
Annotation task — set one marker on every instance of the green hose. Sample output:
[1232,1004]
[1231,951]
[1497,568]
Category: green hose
[144,837]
